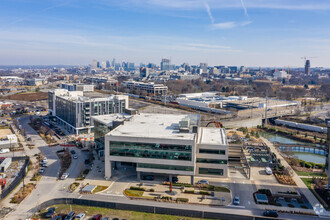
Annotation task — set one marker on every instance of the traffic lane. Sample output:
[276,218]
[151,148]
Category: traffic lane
[244,189]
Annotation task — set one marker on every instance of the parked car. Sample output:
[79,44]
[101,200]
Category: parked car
[70,216]
[42,169]
[80,216]
[174,179]
[236,200]
[64,176]
[105,218]
[3,151]
[75,156]
[57,218]
[203,182]
[44,160]
[73,152]
[97,217]
[270,213]
[148,177]
[44,165]
[268,171]
[50,213]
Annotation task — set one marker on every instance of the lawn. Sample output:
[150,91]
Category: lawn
[99,189]
[112,213]
[302,173]
[308,182]
[136,193]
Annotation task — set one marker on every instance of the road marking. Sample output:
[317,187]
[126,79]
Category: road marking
[249,202]
[80,196]
[237,206]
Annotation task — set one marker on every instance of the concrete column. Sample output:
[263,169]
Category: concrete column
[108,169]
[170,177]
[192,180]
[138,175]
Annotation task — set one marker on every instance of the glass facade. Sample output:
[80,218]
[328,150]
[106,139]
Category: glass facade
[153,151]
[209,151]
[100,130]
[209,171]
[165,167]
[201,160]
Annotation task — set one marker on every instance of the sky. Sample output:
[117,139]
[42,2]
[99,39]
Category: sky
[267,33]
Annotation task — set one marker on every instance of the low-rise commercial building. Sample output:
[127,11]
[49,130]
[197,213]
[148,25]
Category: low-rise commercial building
[167,145]
[150,88]
[77,87]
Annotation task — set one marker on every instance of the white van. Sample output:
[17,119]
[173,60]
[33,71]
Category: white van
[268,171]
[3,151]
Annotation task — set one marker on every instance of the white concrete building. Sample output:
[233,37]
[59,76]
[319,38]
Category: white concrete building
[167,145]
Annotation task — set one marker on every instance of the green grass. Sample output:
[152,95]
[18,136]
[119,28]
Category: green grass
[112,213]
[302,173]
[308,182]
[136,193]
[99,189]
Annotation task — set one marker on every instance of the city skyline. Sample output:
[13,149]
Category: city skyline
[248,33]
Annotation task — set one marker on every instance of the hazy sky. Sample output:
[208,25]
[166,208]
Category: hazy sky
[219,32]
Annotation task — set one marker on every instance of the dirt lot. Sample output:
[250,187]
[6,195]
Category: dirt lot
[33,96]
[5,132]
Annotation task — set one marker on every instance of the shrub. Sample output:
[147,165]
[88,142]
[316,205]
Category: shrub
[304,207]
[291,205]
[182,200]
[189,191]
[137,188]
[278,204]
[152,190]
[265,191]
[287,199]
[168,198]
[300,201]
[204,193]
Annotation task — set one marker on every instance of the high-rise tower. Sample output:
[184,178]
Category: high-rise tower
[307,67]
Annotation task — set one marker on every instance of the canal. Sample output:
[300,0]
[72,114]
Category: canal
[309,157]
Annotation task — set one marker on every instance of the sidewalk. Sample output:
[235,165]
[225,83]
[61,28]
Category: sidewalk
[318,208]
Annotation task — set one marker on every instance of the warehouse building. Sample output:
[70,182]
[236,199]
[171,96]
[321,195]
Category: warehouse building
[167,145]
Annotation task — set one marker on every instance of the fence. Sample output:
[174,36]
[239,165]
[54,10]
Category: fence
[150,209]
[18,178]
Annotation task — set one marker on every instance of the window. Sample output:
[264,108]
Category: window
[165,167]
[201,160]
[209,171]
[209,151]
[150,150]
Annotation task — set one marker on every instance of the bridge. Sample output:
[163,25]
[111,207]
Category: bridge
[320,150]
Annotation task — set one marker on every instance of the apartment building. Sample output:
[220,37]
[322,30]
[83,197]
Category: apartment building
[74,109]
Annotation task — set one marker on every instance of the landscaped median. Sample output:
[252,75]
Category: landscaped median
[181,193]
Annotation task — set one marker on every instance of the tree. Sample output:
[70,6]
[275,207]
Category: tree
[247,135]
[306,86]
[37,89]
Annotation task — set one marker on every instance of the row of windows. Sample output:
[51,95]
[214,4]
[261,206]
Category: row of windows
[210,171]
[149,154]
[154,151]
[202,160]
[146,146]
[209,151]
[165,167]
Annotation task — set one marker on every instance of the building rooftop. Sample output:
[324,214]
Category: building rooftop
[108,119]
[154,126]
[212,136]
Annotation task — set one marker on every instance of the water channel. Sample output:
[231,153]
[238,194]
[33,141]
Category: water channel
[309,157]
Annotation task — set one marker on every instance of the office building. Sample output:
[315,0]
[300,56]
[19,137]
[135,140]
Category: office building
[307,67]
[280,74]
[74,109]
[144,72]
[96,64]
[165,64]
[77,87]
[167,145]
[203,67]
[151,88]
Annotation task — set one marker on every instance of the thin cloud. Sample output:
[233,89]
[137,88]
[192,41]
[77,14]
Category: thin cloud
[208,9]
[229,25]
[244,8]
[207,46]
